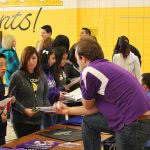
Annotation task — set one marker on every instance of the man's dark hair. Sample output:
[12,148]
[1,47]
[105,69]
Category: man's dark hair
[47,28]
[89,49]
[146,79]
[2,56]
[87,31]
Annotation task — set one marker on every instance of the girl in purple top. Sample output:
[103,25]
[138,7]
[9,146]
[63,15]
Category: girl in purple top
[54,93]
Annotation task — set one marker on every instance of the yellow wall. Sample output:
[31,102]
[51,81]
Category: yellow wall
[62,22]
[106,23]
[109,23]
[31,3]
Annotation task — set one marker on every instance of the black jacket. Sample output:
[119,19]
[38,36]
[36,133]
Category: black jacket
[2,125]
[26,97]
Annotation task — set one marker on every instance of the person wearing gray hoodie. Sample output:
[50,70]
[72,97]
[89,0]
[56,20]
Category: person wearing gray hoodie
[31,90]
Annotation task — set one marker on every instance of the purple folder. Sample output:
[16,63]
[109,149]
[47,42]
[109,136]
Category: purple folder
[38,144]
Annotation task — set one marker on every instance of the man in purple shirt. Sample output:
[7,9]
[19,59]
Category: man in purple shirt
[113,100]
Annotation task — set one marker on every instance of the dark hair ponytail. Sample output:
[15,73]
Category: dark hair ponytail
[124,47]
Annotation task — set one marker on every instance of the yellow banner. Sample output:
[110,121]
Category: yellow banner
[14,3]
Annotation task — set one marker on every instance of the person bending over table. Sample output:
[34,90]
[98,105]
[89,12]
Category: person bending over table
[113,100]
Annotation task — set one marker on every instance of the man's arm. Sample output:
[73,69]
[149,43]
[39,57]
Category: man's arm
[81,111]
[60,108]
[88,104]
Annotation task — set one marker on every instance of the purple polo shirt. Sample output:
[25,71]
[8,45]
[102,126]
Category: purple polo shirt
[118,94]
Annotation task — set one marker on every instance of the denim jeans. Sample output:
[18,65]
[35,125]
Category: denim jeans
[131,137]
[92,125]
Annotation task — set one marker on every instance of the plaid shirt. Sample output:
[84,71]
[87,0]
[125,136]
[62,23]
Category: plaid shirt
[12,62]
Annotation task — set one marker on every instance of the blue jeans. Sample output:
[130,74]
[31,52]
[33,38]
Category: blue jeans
[92,125]
[131,137]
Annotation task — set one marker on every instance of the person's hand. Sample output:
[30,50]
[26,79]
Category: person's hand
[29,112]
[2,107]
[13,99]
[67,88]
[61,95]
[4,116]
[60,108]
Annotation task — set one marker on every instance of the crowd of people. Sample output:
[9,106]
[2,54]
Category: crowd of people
[115,94]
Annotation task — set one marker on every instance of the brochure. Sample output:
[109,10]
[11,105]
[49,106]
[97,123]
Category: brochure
[38,144]
[74,95]
[45,109]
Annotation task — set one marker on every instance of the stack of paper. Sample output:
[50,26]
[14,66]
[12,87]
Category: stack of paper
[74,95]
[45,109]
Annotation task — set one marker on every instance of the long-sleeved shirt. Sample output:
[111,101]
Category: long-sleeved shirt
[2,125]
[133,49]
[71,70]
[53,94]
[28,97]
[131,64]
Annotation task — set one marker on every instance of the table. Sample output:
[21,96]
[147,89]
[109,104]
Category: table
[32,136]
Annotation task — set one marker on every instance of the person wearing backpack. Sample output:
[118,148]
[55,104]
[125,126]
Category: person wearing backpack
[12,60]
